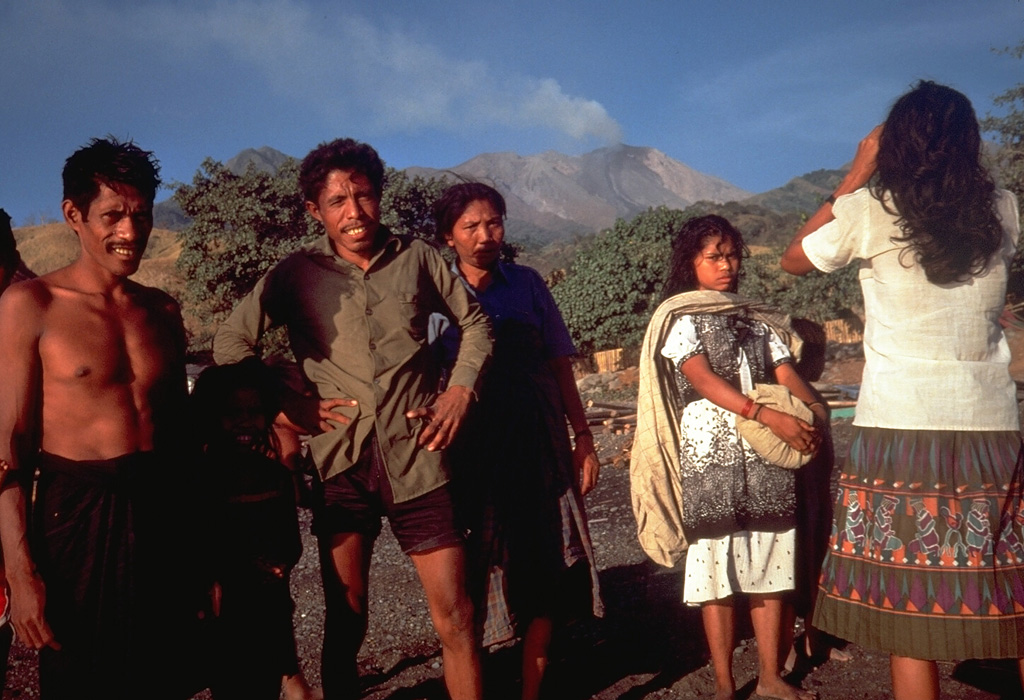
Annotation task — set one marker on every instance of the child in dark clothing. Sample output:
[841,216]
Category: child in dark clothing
[255,531]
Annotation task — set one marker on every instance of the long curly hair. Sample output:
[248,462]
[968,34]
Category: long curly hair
[929,163]
[688,242]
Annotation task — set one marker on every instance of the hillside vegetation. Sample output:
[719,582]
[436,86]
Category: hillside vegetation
[607,284]
[52,246]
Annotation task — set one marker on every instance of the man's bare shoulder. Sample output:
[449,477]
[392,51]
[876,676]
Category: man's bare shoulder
[28,296]
[152,298]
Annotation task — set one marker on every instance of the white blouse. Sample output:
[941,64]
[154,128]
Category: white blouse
[683,343]
[936,357]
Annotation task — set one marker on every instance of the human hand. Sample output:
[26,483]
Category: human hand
[270,567]
[864,162]
[444,417]
[327,413]
[794,432]
[585,463]
[216,593]
[820,415]
[28,600]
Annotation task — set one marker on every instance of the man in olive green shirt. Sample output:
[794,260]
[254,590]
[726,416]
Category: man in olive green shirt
[356,306]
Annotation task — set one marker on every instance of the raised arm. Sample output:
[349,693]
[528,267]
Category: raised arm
[237,338]
[21,312]
[794,260]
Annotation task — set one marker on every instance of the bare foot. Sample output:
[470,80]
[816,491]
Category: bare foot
[296,688]
[725,694]
[781,690]
[791,660]
[835,654]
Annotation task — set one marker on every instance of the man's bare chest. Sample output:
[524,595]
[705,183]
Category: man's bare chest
[92,348]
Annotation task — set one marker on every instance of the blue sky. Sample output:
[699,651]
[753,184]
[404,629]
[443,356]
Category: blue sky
[752,92]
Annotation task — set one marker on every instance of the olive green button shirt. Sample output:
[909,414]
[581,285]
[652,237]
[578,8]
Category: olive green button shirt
[363,335]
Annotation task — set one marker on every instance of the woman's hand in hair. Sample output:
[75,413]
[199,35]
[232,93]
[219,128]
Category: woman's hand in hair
[795,260]
[864,162]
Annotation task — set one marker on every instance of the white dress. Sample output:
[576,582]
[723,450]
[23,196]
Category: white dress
[743,560]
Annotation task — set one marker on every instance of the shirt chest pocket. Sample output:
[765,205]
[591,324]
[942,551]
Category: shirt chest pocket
[405,311]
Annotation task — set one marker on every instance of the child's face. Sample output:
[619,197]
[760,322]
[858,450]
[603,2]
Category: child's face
[243,420]
[717,266]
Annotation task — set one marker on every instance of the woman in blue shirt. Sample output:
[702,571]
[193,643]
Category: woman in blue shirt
[518,480]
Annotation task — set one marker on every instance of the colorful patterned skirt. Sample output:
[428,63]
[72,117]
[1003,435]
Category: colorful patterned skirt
[926,558]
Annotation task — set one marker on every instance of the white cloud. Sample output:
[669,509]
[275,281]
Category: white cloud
[326,60]
[348,71]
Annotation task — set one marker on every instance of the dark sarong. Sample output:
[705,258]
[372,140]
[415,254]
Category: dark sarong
[515,493]
[120,585]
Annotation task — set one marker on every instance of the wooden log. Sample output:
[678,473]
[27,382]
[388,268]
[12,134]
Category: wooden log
[612,406]
[602,414]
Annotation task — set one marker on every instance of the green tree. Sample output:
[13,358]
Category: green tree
[406,205]
[815,296]
[1009,159]
[614,285]
[1009,132]
[243,224]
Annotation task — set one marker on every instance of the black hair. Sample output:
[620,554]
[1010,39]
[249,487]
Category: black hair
[929,163]
[9,258]
[112,163]
[214,388]
[687,244]
[340,154]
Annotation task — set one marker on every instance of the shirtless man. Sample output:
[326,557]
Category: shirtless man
[92,376]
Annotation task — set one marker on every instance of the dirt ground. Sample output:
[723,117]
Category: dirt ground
[648,645]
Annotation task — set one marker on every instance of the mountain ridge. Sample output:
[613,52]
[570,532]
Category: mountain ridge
[552,196]
[587,193]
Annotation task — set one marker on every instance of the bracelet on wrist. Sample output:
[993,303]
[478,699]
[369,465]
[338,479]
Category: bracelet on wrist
[747,408]
[831,199]
[584,433]
[757,412]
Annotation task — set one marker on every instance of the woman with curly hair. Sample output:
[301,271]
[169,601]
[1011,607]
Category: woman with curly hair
[706,348]
[926,559]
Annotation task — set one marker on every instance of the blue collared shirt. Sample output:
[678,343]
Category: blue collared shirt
[516,292]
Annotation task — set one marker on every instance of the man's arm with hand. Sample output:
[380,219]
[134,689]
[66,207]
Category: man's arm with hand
[237,338]
[21,311]
[444,417]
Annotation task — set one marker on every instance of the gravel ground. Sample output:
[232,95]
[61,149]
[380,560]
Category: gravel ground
[647,646]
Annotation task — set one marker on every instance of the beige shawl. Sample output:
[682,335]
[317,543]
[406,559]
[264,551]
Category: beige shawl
[654,462]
